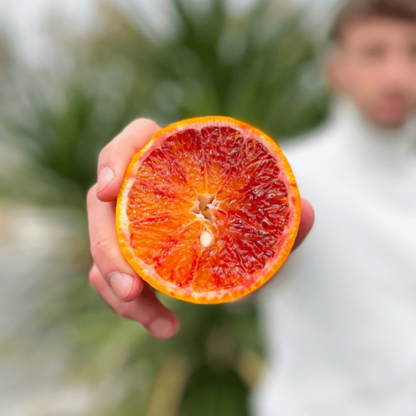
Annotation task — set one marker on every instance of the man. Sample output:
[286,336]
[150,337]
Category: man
[340,319]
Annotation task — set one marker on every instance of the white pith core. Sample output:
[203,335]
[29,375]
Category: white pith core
[202,208]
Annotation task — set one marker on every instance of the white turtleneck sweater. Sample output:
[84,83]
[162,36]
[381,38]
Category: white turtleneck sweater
[340,317]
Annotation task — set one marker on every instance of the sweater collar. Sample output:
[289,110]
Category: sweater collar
[363,142]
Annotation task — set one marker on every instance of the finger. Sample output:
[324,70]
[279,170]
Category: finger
[307,219]
[116,156]
[146,309]
[105,249]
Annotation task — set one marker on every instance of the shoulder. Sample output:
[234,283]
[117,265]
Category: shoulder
[310,157]
[312,149]
[308,146]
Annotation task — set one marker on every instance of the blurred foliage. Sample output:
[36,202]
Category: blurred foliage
[260,67]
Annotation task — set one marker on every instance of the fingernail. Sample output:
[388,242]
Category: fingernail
[105,176]
[122,284]
[162,328]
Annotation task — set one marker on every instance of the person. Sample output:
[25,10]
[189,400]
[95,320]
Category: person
[340,319]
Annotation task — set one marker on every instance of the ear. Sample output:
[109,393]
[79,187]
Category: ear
[334,70]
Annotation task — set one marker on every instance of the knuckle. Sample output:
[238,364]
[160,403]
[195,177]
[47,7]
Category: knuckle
[142,121]
[94,278]
[99,248]
[92,193]
[122,310]
[105,155]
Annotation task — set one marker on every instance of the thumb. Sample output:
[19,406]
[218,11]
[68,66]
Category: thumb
[116,156]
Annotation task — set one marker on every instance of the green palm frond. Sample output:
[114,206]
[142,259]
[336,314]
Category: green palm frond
[260,67]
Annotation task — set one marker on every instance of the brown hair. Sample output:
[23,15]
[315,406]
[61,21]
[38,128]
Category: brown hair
[362,9]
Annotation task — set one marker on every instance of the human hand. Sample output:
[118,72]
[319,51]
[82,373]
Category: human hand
[113,278]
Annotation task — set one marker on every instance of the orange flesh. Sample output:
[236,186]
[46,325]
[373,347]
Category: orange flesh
[217,180]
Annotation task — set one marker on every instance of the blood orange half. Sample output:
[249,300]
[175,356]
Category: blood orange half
[208,211]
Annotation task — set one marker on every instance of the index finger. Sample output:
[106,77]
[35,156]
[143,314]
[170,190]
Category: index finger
[306,223]
[116,156]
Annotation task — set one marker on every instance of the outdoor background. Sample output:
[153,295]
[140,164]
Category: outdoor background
[72,75]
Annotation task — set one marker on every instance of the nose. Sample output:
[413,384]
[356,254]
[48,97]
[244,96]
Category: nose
[399,70]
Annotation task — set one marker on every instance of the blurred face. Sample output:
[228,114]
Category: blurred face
[376,67]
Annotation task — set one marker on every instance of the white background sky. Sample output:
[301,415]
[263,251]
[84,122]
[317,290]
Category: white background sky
[23,20]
